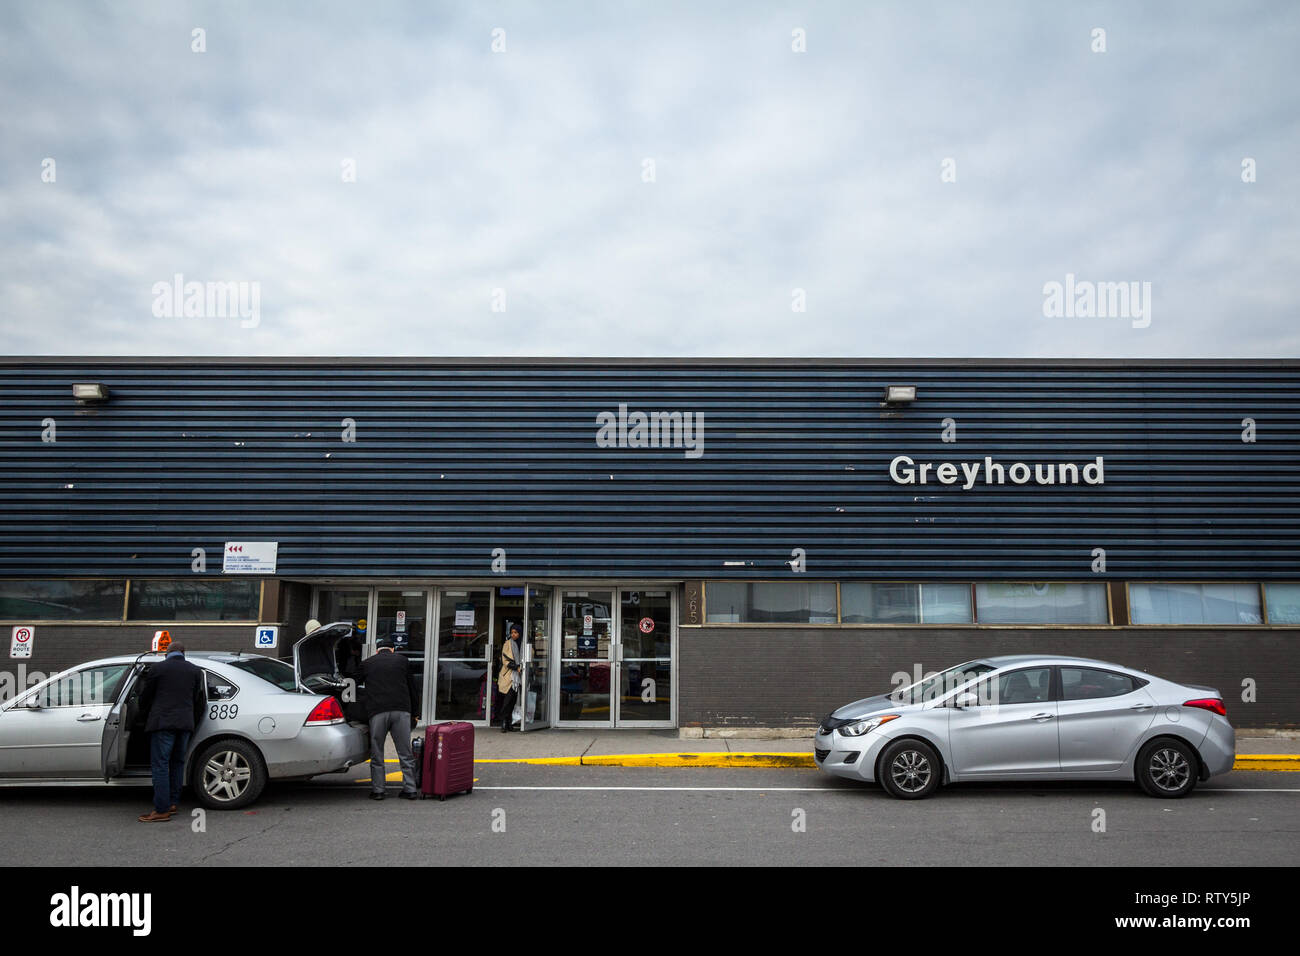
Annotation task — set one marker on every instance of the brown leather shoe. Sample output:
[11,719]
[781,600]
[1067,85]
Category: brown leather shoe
[154,817]
[172,808]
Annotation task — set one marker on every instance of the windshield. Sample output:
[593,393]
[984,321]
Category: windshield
[269,669]
[936,685]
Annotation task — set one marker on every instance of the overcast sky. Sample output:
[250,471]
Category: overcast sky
[526,171]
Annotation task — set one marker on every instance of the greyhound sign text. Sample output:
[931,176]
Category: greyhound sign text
[904,471]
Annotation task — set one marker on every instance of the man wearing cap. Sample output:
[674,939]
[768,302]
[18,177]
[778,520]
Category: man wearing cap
[174,696]
[389,706]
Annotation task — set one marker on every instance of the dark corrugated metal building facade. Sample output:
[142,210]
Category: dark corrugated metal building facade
[435,480]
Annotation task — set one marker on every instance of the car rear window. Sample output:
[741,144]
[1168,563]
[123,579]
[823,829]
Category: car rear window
[269,669]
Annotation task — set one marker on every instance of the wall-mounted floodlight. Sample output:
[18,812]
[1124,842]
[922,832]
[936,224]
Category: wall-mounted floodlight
[88,393]
[900,394]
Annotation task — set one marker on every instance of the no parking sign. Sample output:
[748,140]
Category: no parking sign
[23,639]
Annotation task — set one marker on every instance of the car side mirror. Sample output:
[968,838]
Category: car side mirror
[33,702]
[966,700]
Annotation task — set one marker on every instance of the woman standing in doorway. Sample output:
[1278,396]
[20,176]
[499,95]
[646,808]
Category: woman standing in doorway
[508,678]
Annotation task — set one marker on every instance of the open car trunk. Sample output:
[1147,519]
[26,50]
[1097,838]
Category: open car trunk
[327,661]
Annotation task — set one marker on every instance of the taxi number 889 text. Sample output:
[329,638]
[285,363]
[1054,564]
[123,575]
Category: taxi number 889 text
[223,711]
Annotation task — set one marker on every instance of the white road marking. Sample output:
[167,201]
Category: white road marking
[964,789]
[724,789]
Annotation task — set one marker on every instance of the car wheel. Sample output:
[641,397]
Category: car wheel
[228,775]
[910,770]
[1167,768]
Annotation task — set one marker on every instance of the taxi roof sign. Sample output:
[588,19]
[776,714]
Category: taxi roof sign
[161,641]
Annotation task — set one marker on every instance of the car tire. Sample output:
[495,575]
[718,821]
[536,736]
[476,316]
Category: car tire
[228,775]
[1167,768]
[910,770]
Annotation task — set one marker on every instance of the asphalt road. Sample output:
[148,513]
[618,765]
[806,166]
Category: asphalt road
[623,816]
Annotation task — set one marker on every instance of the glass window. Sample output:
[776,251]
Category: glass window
[1087,683]
[1030,685]
[62,600]
[1167,603]
[760,602]
[406,633]
[353,607]
[219,688]
[1283,603]
[1054,602]
[88,687]
[646,625]
[464,619]
[945,604]
[269,669]
[194,600]
[934,686]
[587,623]
[889,602]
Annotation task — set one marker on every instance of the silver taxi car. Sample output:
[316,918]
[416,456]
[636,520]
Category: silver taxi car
[265,720]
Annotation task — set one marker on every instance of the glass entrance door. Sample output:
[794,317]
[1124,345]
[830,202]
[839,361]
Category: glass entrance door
[464,690]
[401,615]
[586,657]
[644,658]
[535,694]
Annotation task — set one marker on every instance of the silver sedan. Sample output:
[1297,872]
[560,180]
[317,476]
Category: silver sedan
[1028,717]
[265,720]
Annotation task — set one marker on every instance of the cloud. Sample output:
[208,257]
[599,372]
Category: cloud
[523,171]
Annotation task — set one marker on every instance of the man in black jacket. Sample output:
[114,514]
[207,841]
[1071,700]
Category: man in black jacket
[174,697]
[390,702]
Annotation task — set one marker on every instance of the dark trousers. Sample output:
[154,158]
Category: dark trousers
[508,706]
[167,764]
[395,724]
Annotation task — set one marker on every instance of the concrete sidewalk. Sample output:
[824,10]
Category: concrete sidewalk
[491,744]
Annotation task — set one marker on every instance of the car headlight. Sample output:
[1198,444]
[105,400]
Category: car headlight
[866,726]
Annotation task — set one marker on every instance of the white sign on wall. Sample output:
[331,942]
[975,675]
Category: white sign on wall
[23,639]
[267,637]
[249,557]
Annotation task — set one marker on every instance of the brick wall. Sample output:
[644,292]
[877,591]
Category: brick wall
[786,677]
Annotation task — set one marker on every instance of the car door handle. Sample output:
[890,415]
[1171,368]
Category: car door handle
[88,717]
[1141,706]
[1042,717]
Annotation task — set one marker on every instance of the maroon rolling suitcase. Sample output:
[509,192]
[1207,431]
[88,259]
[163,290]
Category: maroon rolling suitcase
[448,760]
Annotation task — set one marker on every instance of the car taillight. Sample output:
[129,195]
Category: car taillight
[327,711]
[1212,704]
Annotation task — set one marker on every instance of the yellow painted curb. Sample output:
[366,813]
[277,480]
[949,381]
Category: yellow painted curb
[719,758]
[1267,762]
[561,761]
[722,758]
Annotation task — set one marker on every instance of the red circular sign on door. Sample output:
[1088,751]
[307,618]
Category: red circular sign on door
[647,625]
